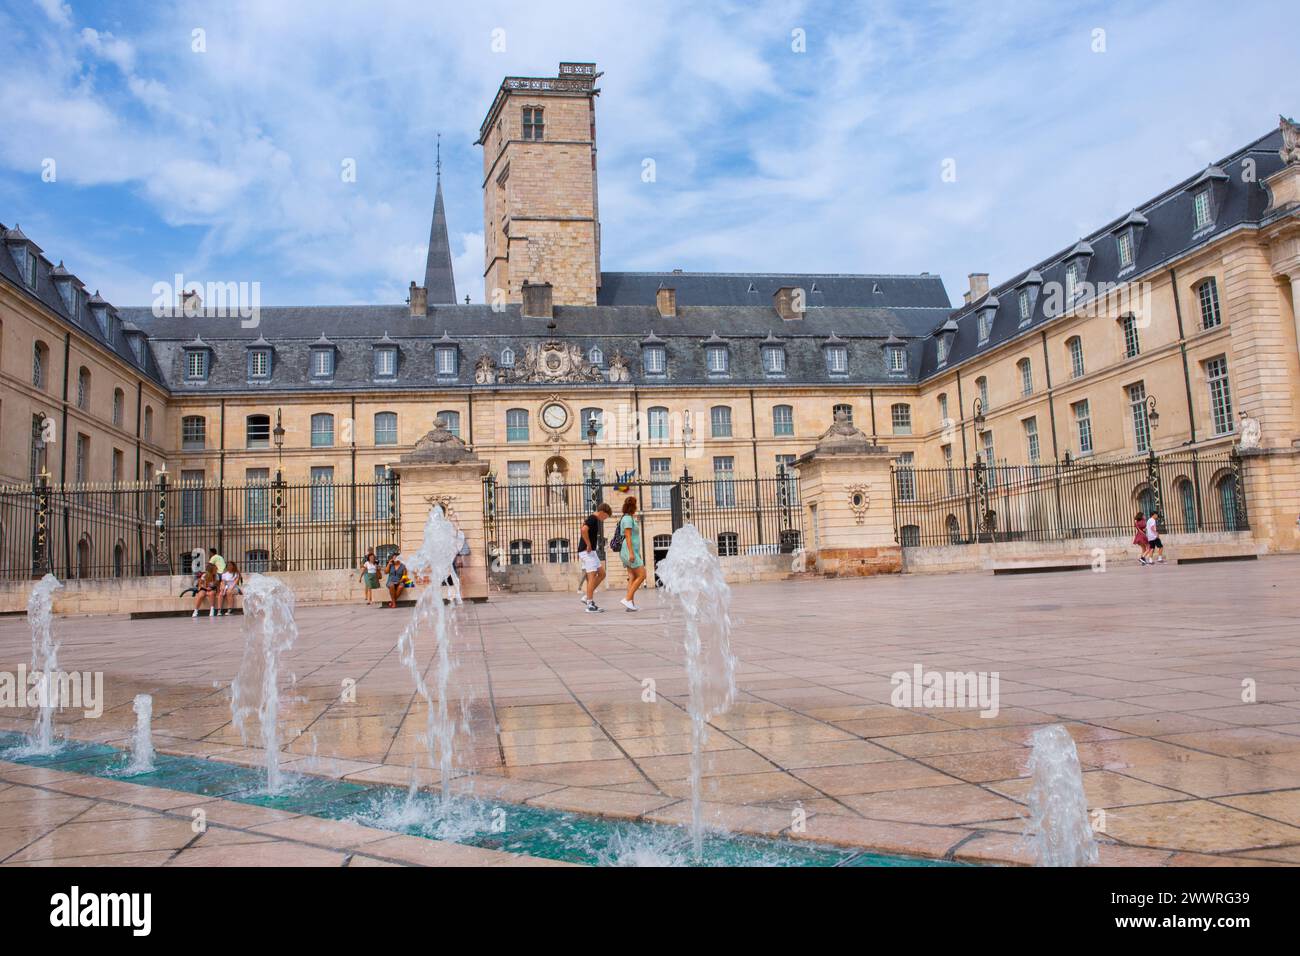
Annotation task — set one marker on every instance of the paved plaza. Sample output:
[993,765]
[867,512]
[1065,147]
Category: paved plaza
[581,712]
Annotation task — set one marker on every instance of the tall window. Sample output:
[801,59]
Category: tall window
[1026,376]
[39,449]
[941,349]
[322,430]
[1207,293]
[445,360]
[40,364]
[1137,401]
[192,497]
[837,360]
[193,433]
[1083,426]
[1075,345]
[982,386]
[257,431]
[517,425]
[83,459]
[1071,282]
[947,463]
[654,360]
[382,505]
[385,362]
[1130,327]
[1022,303]
[896,358]
[724,481]
[588,414]
[1216,373]
[450,421]
[119,404]
[720,421]
[322,363]
[905,477]
[717,358]
[322,493]
[517,487]
[900,416]
[985,325]
[257,495]
[386,428]
[943,408]
[83,388]
[196,364]
[534,127]
[989,459]
[1031,439]
[1125,245]
[783,420]
[657,424]
[774,360]
[661,492]
[1201,208]
[259,363]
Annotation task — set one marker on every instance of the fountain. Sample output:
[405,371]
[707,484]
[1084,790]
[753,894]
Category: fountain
[692,578]
[45,662]
[435,562]
[1058,828]
[269,630]
[142,743]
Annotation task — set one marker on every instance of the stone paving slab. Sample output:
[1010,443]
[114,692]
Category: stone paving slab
[1146,667]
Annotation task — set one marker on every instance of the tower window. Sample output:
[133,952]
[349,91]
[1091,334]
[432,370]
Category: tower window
[533,126]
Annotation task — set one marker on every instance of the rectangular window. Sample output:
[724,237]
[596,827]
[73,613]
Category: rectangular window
[941,349]
[322,493]
[1031,438]
[985,326]
[517,490]
[382,487]
[445,360]
[724,481]
[534,128]
[1201,205]
[259,363]
[196,364]
[982,384]
[322,431]
[947,463]
[1125,243]
[783,420]
[774,360]
[661,492]
[837,360]
[905,477]
[1216,373]
[385,363]
[1083,425]
[657,424]
[717,356]
[517,425]
[1076,357]
[897,360]
[1026,377]
[322,363]
[386,428]
[943,410]
[257,495]
[720,421]
[1071,282]
[900,416]
[1131,346]
[1023,303]
[193,433]
[1137,401]
[192,497]
[1208,295]
[655,360]
[451,421]
[82,471]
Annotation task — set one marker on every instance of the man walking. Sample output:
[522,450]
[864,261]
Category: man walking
[1155,547]
[592,553]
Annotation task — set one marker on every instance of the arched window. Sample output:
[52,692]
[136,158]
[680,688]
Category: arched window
[720,421]
[450,421]
[83,388]
[783,420]
[40,364]
[119,559]
[557,551]
[517,424]
[385,428]
[507,357]
[119,404]
[84,557]
[1074,345]
[322,430]
[846,409]
[1146,500]
[257,431]
[596,356]
[1227,492]
[1026,376]
[1185,495]
[728,544]
[148,423]
[943,409]
[657,424]
[953,527]
[193,433]
[982,386]
[521,552]
[900,416]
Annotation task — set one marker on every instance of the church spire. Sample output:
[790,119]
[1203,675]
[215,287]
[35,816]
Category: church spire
[438,278]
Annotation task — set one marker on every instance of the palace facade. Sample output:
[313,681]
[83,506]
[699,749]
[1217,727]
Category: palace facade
[1161,330]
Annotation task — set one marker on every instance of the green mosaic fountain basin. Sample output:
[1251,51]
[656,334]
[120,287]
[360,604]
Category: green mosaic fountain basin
[471,821]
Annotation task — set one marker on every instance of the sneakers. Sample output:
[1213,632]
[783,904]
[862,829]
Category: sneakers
[629,605]
[591,607]
[1160,560]
[212,612]
[196,613]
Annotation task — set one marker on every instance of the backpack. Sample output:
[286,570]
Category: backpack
[616,542]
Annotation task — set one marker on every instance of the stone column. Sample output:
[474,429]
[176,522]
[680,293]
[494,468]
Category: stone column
[442,470]
[848,506]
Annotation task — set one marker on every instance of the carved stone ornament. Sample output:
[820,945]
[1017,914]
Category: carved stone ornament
[843,436]
[440,447]
[485,370]
[556,361]
[618,369]
[445,501]
[1290,151]
[859,500]
[1249,433]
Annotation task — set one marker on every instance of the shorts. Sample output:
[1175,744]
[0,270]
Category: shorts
[589,561]
[1155,543]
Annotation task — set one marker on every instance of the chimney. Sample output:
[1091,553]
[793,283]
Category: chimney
[666,300]
[537,300]
[191,302]
[419,300]
[789,303]
[979,286]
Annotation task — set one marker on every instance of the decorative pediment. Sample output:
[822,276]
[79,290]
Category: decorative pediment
[555,361]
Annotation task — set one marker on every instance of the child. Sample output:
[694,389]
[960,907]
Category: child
[1154,545]
[370,574]
[1140,536]
[231,579]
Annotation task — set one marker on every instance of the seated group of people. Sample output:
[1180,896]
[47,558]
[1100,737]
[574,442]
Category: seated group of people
[218,584]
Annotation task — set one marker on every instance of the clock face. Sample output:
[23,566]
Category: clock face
[554,416]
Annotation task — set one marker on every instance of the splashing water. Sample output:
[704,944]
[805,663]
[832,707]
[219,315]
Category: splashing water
[142,743]
[692,578]
[45,662]
[435,561]
[269,630]
[1058,828]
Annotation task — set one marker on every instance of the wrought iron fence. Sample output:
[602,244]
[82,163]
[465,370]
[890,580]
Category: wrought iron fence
[1060,501]
[142,528]
[529,523]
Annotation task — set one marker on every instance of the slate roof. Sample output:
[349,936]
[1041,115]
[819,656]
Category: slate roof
[1167,234]
[438,277]
[922,291]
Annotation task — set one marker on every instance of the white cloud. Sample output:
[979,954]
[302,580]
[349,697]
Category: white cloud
[57,11]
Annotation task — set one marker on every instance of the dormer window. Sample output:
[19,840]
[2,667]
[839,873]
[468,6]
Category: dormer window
[446,359]
[654,359]
[717,358]
[837,360]
[322,362]
[896,359]
[1071,281]
[259,363]
[774,360]
[507,358]
[386,361]
[1201,209]
[596,356]
[196,364]
[941,349]
[985,327]
[1125,246]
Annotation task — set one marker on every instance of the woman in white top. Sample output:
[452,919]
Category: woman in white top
[370,574]
[230,581]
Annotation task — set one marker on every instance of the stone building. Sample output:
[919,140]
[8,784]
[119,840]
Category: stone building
[1188,299]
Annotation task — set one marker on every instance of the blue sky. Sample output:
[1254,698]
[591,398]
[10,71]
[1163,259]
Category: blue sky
[224,165]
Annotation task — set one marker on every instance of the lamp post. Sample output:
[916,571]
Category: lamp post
[1153,416]
[278,435]
[592,484]
[688,435]
[977,424]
